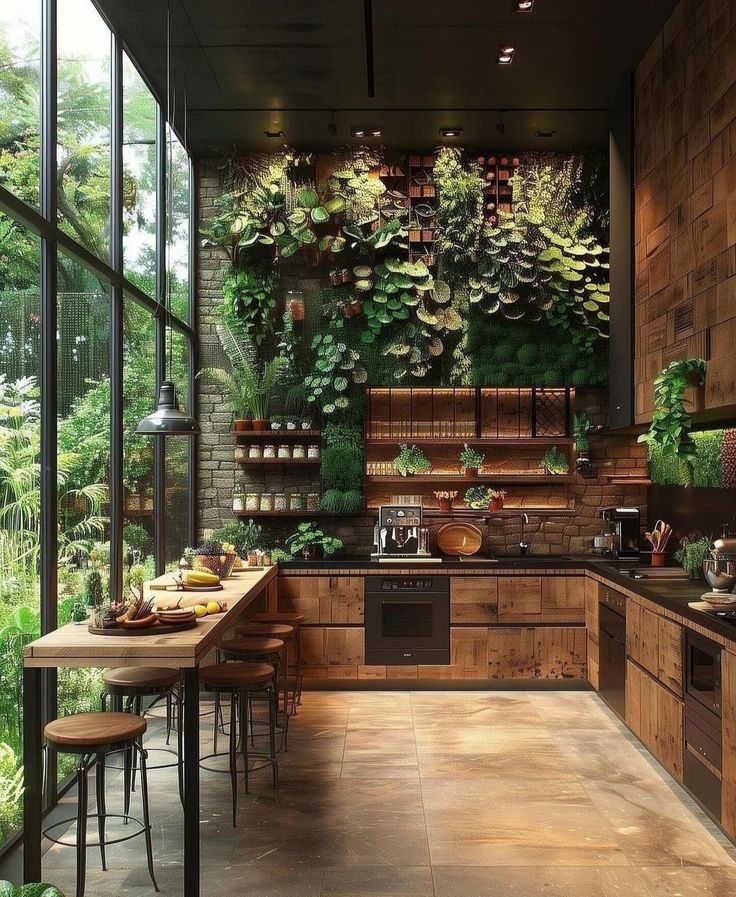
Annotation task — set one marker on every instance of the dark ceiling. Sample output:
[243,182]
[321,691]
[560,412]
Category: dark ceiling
[300,66]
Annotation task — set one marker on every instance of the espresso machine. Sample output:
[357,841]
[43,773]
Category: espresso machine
[399,533]
[622,533]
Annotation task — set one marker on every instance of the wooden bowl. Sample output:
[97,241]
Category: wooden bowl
[139,624]
[459,538]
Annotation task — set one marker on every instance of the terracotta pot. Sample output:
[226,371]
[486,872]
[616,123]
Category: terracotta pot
[470,473]
[445,504]
[243,424]
[355,308]
[658,558]
[309,552]
[296,308]
[495,504]
[260,424]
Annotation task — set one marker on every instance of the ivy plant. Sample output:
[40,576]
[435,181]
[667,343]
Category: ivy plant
[336,366]
[671,421]
[248,297]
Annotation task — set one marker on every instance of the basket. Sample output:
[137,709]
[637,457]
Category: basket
[221,564]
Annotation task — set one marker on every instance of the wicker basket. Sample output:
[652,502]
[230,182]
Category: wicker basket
[221,564]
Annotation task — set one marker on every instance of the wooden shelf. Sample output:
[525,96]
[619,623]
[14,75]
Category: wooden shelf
[277,434]
[521,441]
[302,513]
[486,479]
[615,480]
[284,462]
[504,512]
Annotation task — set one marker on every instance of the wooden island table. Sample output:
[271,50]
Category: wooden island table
[75,646]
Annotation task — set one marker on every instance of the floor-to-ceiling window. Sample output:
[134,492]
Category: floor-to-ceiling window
[84,226]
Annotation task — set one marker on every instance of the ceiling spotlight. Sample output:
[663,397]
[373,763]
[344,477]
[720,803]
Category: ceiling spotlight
[505,54]
[365,132]
[544,134]
[522,5]
[451,132]
[274,133]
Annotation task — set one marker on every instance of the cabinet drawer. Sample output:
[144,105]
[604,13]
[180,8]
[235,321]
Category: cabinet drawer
[700,742]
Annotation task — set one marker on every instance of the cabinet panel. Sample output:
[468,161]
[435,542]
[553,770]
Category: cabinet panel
[656,716]
[519,599]
[314,657]
[511,653]
[563,599]
[469,653]
[308,595]
[670,654]
[473,599]
[669,737]
[591,626]
[561,652]
[655,643]
[728,793]
[347,599]
[345,652]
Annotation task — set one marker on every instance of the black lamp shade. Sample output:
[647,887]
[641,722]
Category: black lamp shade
[167,419]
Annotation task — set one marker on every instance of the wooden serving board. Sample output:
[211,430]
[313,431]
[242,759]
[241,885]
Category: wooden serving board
[712,608]
[154,629]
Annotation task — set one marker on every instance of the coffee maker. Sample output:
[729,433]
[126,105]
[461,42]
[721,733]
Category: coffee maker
[399,533]
[623,525]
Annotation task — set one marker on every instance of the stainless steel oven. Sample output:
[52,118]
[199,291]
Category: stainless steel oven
[407,620]
[703,676]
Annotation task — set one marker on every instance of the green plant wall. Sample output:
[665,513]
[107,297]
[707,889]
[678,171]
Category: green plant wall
[669,470]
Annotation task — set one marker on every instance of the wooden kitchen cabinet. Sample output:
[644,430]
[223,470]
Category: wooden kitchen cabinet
[563,599]
[591,626]
[728,734]
[655,643]
[512,653]
[519,599]
[323,599]
[469,653]
[537,652]
[473,599]
[656,717]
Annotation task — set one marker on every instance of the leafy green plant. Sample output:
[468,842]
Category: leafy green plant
[477,496]
[247,391]
[248,299]
[469,457]
[93,592]
[11,793]
[336,366]
[410,460]
[337,501]
[691,555]
[367,239]
[581,428]
[397,287]
[555,461]
[136,537]
[39,889]
[309,536]
[460,212]
[244,536]
[671,422]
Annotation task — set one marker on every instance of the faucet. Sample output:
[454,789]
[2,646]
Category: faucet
[523,546]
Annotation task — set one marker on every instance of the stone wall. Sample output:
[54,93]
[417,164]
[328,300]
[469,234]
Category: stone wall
[218,472]
[685,192]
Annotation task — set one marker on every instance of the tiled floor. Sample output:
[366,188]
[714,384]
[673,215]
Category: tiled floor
[465,794]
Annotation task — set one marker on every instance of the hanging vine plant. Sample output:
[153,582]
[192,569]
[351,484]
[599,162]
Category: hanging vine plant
[671,421]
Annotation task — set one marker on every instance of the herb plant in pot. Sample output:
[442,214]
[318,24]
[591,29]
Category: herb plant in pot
[445,500]
[555,461]
[308,540]
[410,460]
[471,461]
[495,499]
[581,428]
[477,497]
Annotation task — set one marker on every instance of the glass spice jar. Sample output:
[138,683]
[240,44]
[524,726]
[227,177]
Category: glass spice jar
[241,453]
[313,501]
[313,451]
[284,451]
[254,451]
[295,501]
[279,501]
[267,562]
[252,501]
[269,451]
[298,452]
[252,558]
[238,499]
[266,501]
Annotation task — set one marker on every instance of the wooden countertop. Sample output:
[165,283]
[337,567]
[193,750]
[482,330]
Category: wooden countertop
[73,645]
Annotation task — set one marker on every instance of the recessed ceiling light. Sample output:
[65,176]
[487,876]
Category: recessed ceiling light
[274,133]
[506,54]
[523,5]
[366,132]
[451,132]
[544,134]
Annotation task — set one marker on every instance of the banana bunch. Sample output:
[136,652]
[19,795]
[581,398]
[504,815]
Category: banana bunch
[199,578]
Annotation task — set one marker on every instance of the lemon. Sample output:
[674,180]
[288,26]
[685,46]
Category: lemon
[200,610]
[213,607]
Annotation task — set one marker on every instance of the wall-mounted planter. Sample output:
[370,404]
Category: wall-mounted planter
[242,425]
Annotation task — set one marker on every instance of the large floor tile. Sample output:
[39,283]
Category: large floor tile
[609,881]
[689,881]
[378,881]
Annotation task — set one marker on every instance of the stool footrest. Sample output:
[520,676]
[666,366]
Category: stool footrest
[108,841]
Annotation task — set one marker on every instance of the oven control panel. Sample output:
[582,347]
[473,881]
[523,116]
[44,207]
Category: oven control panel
[407,584]
[400,515]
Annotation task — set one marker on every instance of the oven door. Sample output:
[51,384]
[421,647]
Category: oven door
[407,620]
[703,676]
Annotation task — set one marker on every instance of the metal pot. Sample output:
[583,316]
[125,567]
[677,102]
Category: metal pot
[720,573]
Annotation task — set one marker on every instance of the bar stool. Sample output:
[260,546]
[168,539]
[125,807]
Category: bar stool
[256,650]
[126,687]
[240,680]
[93,736]
[282,631]
[290,618]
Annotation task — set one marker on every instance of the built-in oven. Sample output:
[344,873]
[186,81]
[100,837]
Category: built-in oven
[407,620]
[703,676]
[612,649]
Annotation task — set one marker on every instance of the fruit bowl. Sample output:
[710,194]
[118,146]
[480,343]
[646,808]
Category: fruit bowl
[220,564]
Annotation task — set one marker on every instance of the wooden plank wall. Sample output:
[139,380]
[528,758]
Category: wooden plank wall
[685,200]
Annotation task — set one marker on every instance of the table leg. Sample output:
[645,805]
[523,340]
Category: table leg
[33,766]
[191,782]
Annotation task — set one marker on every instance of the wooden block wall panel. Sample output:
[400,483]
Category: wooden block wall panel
[401,672]
[512,653]
[345,647]
[563,599]
[670,655]
[473,599]
[469,653]
[346,599]
[561,652]
[519,599]
[314,656]
[323,599]
[642,637]
[656,717]
[669,742]
[728,794]
[684,195]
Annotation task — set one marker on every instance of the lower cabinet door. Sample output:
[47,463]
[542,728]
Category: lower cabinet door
[657,717]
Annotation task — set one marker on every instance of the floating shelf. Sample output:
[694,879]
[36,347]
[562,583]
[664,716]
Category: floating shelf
[504,512]
[277,434]
[284,462]
[485,479]
[302,513]
[473,440]
[615,480]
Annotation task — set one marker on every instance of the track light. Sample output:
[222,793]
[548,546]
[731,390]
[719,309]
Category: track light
[365,131]
[274,133]
[522,5]
[450,132]
[544,134]
[506,54]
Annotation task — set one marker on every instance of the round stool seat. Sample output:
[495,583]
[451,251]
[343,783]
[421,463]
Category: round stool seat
[267,630]
[236,675]
[290,617]
[94,729]
[141,677]
[254,646]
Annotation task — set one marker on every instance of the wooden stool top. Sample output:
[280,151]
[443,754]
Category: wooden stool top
[252,646]
[236,675]
[141,677]
[94,729]
[270,630]
[291,617]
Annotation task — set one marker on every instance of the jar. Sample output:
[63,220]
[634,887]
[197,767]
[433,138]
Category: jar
[266,501]
[284,451]
[313,501]
[241,453]
[238,501]
[295,501]
[312,451]
[252,501]
[279,501]
[299,452]
[267,562]
[291,425]
[269,451]
[252,558]
[254,451]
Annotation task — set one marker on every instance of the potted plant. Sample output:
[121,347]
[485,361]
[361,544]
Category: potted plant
[353,308]
[39,889]
[246,391]
[295,304]
[477,497]
[410,460]
[471,461]
[308,540]
[580,431]
[671,421]
[445,500]
[495,499]
[554,461]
